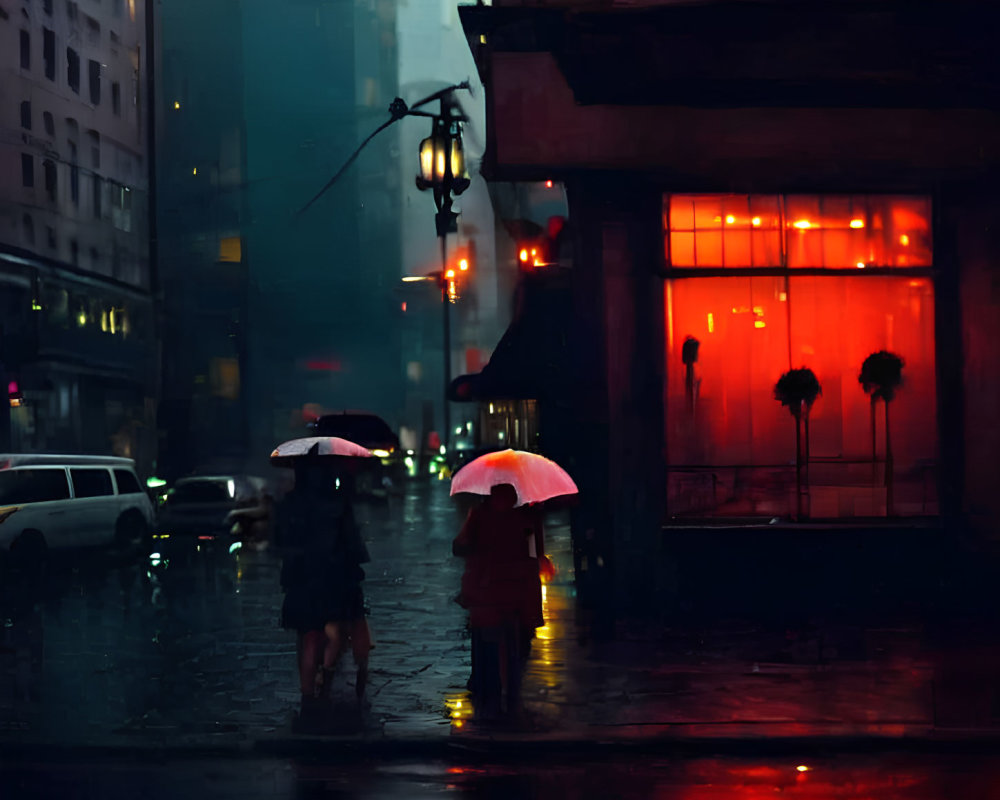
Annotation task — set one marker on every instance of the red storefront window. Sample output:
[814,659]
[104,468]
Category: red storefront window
[730,445]
[808,231]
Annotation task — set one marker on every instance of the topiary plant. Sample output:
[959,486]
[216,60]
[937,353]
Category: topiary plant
[797,390]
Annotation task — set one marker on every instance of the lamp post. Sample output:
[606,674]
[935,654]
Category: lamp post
[442,170]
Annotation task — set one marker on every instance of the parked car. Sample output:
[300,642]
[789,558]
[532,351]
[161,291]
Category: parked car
[62,502]
[235,506]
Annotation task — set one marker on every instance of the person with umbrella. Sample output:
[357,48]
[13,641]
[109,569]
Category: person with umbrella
[321,572]
[502,542]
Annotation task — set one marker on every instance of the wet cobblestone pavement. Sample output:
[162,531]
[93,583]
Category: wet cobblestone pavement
[185,651]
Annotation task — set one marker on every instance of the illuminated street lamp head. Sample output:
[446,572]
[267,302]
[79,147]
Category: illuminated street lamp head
[463,264]
[442,158]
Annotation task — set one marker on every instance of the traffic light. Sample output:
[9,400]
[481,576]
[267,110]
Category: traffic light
[543,249]
[463,262]
[532,253]
[465,258]
[14,396]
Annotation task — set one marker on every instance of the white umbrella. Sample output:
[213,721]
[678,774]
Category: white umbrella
[286,453]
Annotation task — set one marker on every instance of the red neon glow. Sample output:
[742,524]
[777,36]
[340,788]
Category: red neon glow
[324,365]
[730,443]
[832,231]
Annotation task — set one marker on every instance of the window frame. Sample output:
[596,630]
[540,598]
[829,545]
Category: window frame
[27,170]
[49,53]
[667,270]
[25,45]
[670,274]
[105,471]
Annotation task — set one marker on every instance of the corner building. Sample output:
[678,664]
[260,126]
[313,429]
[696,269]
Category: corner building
[756,188]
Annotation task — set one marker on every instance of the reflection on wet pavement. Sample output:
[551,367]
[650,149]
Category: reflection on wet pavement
[889,777]
[184,648]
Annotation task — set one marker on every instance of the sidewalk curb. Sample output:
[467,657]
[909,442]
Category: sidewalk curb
[503,748]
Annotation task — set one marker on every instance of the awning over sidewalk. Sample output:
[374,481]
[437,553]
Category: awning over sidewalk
[530,357]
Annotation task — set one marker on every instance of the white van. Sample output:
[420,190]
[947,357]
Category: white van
[57,502]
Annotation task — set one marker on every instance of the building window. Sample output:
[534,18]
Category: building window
[97,192]
[94,68]
[121,206]
[72,11]
[855,281]
[25,50]
[49,123]
[49,53]
[95,259]
[74,175]
[116,98]
[47,7]
[73,69]
[26,114]
[27,170]
[797,231]
[95,148]
[49,168]
[93,30]
[28,223]
[50,237]
[74,252]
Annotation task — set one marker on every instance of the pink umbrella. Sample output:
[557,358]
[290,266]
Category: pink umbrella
[286,453]
[534,477]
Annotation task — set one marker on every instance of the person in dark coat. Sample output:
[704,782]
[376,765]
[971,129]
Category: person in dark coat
[321,577]
[502,546]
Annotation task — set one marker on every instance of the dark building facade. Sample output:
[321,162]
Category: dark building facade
[269,311]
[757,188]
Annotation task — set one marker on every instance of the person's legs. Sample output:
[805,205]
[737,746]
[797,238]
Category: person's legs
[489,673]
[361,644]
[333,646]
[310,651]
[513,665]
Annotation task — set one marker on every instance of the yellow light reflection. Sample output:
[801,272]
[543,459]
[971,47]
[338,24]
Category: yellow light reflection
[711,322]
[802,224]
[755,221]
[759,323]
[904,240]
[458,708]
[861,265]
[730,219]
[802,768]
[857,223]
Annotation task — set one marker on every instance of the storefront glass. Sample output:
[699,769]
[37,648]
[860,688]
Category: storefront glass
[731,446]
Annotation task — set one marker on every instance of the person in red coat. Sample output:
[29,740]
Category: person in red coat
[501,589]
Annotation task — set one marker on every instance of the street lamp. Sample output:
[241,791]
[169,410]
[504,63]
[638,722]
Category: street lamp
[442,170]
